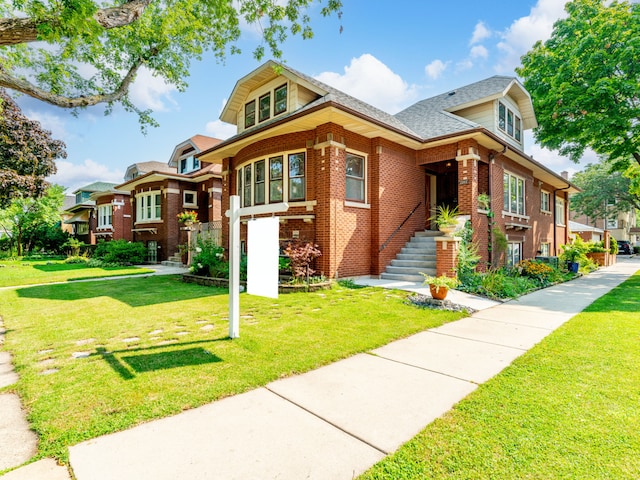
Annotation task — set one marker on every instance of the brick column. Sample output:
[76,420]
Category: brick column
[447,256]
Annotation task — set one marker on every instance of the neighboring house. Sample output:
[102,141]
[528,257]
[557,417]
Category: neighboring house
[621,226]
[68,202]
[113,213]
[83,218]
[586,232]
[158,192]
[360,183]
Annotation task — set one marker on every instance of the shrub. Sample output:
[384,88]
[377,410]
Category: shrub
[121,252]
[73,259]
[209,259]
[300,256]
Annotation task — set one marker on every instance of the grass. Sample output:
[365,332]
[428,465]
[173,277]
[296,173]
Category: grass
[23,272]
[566,409]
[157,346]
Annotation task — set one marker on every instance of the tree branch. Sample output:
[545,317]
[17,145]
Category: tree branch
[27,88]
[14,31]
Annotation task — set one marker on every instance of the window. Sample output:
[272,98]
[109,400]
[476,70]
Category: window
[545,201]
[189,164]
[559,211]
[250,114]
[513,194]
[275,179]
[545,249]
[183,165]
[509,122]
[82,228]
[189,198]
[265,107]
[297,189]
[612,223]
[82,196]
[514,253]
[148,206]
[105,216]
[258,187]
[280,105]
[355,178]
[278,179]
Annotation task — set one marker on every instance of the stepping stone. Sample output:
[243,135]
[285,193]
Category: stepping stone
[156,332]
[80,354]
[206,328]
[131,339]
[18,442]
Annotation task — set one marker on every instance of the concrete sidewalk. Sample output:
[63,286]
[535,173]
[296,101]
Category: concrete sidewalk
[337,421]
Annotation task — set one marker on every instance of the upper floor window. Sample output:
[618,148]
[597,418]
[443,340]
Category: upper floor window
[189,164]
[82,196]
[355,178]
[279,178]
[250,114]
[560,211]
[509,122]
[105,216]
[265,107]
[545,201]
[280,105]
[148,206]
[513,191]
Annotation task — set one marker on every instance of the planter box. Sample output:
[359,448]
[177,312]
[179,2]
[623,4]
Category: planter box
[601,258]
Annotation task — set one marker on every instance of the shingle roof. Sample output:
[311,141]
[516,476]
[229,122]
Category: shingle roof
[431,118]
[153,166]
[96,187]
[203,142]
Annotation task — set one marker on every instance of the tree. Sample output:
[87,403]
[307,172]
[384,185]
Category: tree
[112,40]
[585,82]
[604,192]
[27,153]
[24,217]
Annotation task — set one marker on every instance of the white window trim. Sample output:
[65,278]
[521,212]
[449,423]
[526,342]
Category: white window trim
[560,219]
[184,198]
[524,197]
[140,217]
[285,178]
[509,107]
[356,203]
[510,261]
[270,89]
[109,208]
[549,196]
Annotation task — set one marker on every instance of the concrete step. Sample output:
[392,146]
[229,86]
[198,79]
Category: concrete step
[428,257]
[428,233]
[413,263]
[405,270]
[170,263]
[404,278]
[417,251]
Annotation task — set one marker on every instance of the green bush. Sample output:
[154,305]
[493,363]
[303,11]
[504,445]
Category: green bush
[121,252]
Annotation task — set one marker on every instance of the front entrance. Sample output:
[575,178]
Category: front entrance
[441,188]
[152,251]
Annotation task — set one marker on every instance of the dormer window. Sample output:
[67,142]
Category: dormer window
[189,164]
[250,114]
[265,107]
[280,105]
[509,122]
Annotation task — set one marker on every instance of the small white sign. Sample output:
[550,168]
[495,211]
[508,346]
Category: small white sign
[262,261]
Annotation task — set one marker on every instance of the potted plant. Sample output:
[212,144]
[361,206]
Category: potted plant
[484,201]
[446,218]
[439,286]
[572,252]
[188,217]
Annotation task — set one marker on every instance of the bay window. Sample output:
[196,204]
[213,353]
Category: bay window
[280,178]
[105,216]
[148,206]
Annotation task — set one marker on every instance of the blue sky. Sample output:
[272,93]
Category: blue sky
[390,54]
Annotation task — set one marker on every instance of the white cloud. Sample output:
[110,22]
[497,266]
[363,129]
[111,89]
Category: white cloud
[478,51]
[480,33]
[524,32]
[370,80]
[50,121]
[220,129]
[151,91]
[465,64]
[435,69]
[74,176]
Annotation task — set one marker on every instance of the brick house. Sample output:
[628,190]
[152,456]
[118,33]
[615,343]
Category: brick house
[362,183]
[82,215]
[113,215]
[158,192]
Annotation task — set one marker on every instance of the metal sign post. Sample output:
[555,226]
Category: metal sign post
[234,213]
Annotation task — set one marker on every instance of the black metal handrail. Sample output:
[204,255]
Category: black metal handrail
[384,245]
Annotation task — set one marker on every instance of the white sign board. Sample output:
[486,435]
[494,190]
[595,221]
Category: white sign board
[262,257]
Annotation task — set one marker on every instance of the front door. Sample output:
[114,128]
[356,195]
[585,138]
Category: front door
[152,251]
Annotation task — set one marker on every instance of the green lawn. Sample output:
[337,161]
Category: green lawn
[157,346]
[29,272]
[567,409]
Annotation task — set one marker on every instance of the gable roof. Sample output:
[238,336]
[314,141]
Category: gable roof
[199,144]
[435,116]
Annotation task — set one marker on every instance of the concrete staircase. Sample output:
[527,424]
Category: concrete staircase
[173,261]
[418,255]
